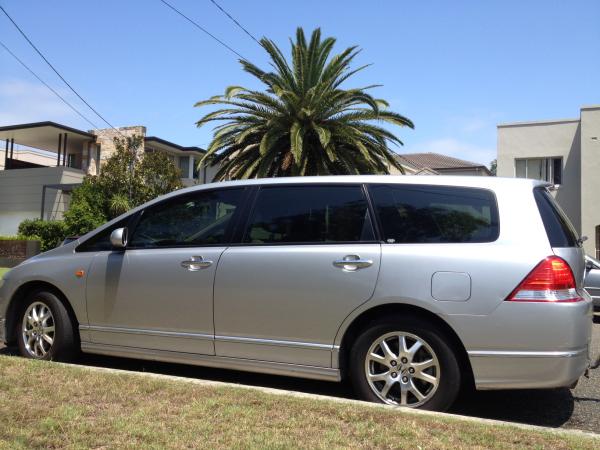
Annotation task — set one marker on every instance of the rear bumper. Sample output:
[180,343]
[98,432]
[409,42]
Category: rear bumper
[528,370]
[523,345]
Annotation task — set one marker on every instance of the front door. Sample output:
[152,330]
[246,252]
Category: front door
[158,293]
[307,259]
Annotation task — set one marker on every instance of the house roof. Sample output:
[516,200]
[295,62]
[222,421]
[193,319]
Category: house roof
[44,135]
[437,162]
[167,145]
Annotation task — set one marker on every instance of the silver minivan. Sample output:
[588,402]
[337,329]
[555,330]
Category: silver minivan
[407,286]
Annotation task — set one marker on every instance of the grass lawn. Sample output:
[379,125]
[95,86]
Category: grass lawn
[3,270]
[49,405]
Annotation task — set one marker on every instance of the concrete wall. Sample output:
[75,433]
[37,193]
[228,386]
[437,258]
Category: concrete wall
[543,140]
[590,176]
[21,194]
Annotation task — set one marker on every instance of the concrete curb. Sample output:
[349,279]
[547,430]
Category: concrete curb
[320,397]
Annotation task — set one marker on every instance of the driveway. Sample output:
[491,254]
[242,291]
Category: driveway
[578,408]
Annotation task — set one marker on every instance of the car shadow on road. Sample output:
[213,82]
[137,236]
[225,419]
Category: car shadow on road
[544,407]
[550,408]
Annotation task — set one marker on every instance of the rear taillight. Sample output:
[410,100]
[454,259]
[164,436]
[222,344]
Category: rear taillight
[552,280]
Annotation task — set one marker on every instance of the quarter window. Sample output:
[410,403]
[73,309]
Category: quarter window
[547,169]
[101,240]
[200,218]
[414,214]
[309,214]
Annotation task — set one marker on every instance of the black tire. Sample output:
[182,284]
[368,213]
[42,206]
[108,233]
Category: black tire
[449,380]
[65,345]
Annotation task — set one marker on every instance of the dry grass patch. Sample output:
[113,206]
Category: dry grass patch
[52,406]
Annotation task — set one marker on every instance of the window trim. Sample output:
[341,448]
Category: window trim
[249,210]
[409,185]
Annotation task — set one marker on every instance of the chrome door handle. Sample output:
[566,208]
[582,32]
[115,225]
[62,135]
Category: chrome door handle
[195,263]
[351,263]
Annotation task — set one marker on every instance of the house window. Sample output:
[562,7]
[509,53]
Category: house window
[548,169]
[71,161]
[184,166]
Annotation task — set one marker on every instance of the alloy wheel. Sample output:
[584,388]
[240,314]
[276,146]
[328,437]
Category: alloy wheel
[38,330]
[402,369]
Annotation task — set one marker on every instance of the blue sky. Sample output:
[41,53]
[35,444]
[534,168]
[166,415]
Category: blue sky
[455,68]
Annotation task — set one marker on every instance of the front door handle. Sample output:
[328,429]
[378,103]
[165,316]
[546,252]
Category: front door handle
[351,263]
[195,263]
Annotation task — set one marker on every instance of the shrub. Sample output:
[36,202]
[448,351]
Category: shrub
[50,233]
[86,209]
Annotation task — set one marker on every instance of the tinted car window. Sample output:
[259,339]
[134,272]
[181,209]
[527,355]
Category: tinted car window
[413,214]
[558,228]
[200,218]
[101,241]
[305,214]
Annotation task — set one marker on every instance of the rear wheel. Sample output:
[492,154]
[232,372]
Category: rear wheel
[405,361]
[45,330]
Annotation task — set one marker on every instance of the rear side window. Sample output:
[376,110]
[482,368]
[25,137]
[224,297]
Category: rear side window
[309,214]
[558,227]
[415,214]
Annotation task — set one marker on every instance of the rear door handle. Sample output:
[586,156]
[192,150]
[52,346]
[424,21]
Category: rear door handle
[195,263]
[351,263]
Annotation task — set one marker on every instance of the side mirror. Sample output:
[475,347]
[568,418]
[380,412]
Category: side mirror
[118,238]
[589,265]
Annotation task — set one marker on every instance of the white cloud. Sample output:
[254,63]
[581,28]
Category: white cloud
[454,147]
[24,101]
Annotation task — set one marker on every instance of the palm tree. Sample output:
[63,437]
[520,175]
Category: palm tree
[304,123]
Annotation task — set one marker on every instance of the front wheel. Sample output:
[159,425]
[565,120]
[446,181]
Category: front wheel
[45,330]
[405,361]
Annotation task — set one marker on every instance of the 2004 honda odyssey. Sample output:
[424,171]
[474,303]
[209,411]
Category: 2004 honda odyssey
[407,286]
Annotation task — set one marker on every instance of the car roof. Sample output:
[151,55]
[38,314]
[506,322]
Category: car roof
[439,180]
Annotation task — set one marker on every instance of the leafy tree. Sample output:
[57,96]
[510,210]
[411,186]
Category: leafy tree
[494,166]
[126,180]
[87,209]
[304,123]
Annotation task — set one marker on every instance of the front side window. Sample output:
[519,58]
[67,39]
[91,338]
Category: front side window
[191,220]
[309,214]
[547,169]
[413,214]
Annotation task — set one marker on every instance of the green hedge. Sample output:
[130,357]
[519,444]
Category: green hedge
[50,233]
[18,238]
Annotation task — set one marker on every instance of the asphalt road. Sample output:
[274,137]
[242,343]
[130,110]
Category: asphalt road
[578,408]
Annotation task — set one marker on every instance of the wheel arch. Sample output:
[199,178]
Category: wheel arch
[363,320]
[16,301]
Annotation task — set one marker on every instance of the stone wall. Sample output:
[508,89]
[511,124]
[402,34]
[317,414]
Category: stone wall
[105,138]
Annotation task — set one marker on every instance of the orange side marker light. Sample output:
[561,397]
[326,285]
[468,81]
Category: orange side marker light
[79,273]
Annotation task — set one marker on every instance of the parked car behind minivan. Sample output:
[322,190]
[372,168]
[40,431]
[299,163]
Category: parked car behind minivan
[407,286]
[592,280]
